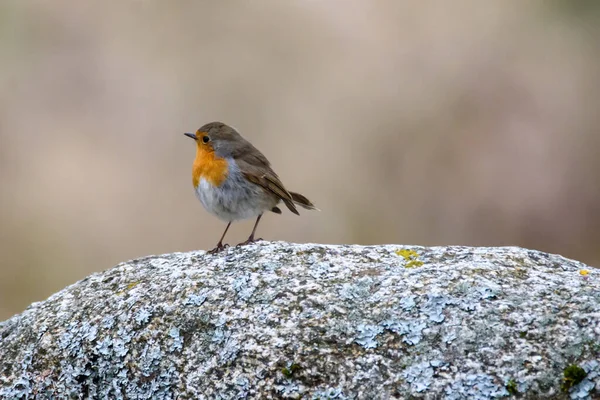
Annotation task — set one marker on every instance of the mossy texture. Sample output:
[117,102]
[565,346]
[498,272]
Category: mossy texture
[573,375]
[280,320]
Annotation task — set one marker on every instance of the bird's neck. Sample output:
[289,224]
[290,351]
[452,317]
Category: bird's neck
[209,166]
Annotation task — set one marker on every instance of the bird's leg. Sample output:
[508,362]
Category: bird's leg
[220,246]
[251,238]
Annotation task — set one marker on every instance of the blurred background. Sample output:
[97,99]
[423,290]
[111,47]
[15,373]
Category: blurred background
[464,122]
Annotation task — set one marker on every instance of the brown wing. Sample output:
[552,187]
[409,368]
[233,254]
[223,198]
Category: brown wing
[245,151]
[263,176]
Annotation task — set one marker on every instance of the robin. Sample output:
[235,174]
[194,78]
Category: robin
[235,181]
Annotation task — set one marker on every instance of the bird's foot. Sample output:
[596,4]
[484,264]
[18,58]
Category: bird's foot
[249,241]
[220,247]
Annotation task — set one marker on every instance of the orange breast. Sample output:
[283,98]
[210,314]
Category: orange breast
[208,166]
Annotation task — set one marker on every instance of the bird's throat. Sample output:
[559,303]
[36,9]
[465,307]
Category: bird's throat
[209,167]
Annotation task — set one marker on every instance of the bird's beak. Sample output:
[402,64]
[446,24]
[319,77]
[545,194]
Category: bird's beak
[193,136]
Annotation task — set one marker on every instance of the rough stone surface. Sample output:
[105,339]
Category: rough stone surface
[279,320]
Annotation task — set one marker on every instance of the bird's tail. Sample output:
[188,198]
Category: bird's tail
[302,201]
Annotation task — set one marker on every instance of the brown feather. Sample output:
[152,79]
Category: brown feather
[291,206]
[303,201]
[274,186]
[257,169]
[277,187]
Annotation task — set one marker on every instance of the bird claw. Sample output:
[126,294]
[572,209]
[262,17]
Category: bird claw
[249,241]
[220,247]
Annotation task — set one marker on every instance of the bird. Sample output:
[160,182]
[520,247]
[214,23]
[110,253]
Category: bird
[234,181]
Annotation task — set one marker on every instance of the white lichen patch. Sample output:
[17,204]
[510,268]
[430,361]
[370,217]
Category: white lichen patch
[280,320]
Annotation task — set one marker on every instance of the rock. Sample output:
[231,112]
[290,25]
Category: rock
[280,320]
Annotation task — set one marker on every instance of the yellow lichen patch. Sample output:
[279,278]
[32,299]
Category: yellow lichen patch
[128,287]
[584,272]
[411,257]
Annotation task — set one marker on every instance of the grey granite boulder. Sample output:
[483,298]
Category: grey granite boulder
[280,320]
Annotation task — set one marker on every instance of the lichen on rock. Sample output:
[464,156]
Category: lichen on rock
[280,320]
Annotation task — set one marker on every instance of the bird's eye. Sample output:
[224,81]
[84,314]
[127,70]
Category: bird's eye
[205,139]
